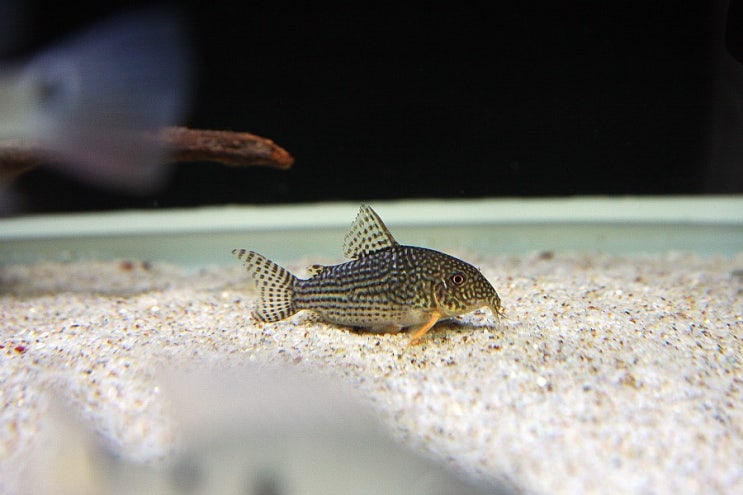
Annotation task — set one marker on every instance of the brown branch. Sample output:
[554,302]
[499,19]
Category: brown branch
[181,144]
[17,158]
[230,148]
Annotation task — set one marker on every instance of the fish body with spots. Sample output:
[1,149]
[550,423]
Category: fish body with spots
[384,288]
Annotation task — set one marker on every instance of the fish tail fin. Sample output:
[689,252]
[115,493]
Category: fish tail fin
[274,284]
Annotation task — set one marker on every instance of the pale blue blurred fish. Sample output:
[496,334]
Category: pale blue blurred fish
[91,98]
[250,431]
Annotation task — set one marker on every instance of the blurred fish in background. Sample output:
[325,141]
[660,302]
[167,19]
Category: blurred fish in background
[250,431]
[93,98]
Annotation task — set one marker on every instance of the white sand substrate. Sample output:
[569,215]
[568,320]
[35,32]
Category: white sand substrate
[610,374]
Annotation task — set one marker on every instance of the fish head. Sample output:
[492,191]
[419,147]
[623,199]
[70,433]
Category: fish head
[463,288]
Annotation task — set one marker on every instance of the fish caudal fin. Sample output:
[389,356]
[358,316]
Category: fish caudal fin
[274,284]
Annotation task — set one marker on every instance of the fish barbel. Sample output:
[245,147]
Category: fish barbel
[385,287]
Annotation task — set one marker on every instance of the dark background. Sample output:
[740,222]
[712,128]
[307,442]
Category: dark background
[416,100]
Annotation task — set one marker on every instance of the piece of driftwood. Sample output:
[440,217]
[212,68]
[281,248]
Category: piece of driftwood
[181,144]
[18,157]
[230,148]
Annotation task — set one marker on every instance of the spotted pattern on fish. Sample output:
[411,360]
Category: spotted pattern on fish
[367,235]
[275,286]
[385,287]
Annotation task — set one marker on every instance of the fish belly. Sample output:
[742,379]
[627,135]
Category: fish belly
[374,319]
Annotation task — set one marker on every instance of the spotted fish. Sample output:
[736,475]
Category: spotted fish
[385,287]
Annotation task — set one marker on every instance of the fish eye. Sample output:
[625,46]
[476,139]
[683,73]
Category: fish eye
[57,86]
[457,278]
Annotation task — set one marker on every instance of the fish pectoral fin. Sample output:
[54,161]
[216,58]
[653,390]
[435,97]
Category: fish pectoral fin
[417,333]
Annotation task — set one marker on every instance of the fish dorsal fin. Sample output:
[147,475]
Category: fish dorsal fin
[315,270]
[368,234]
